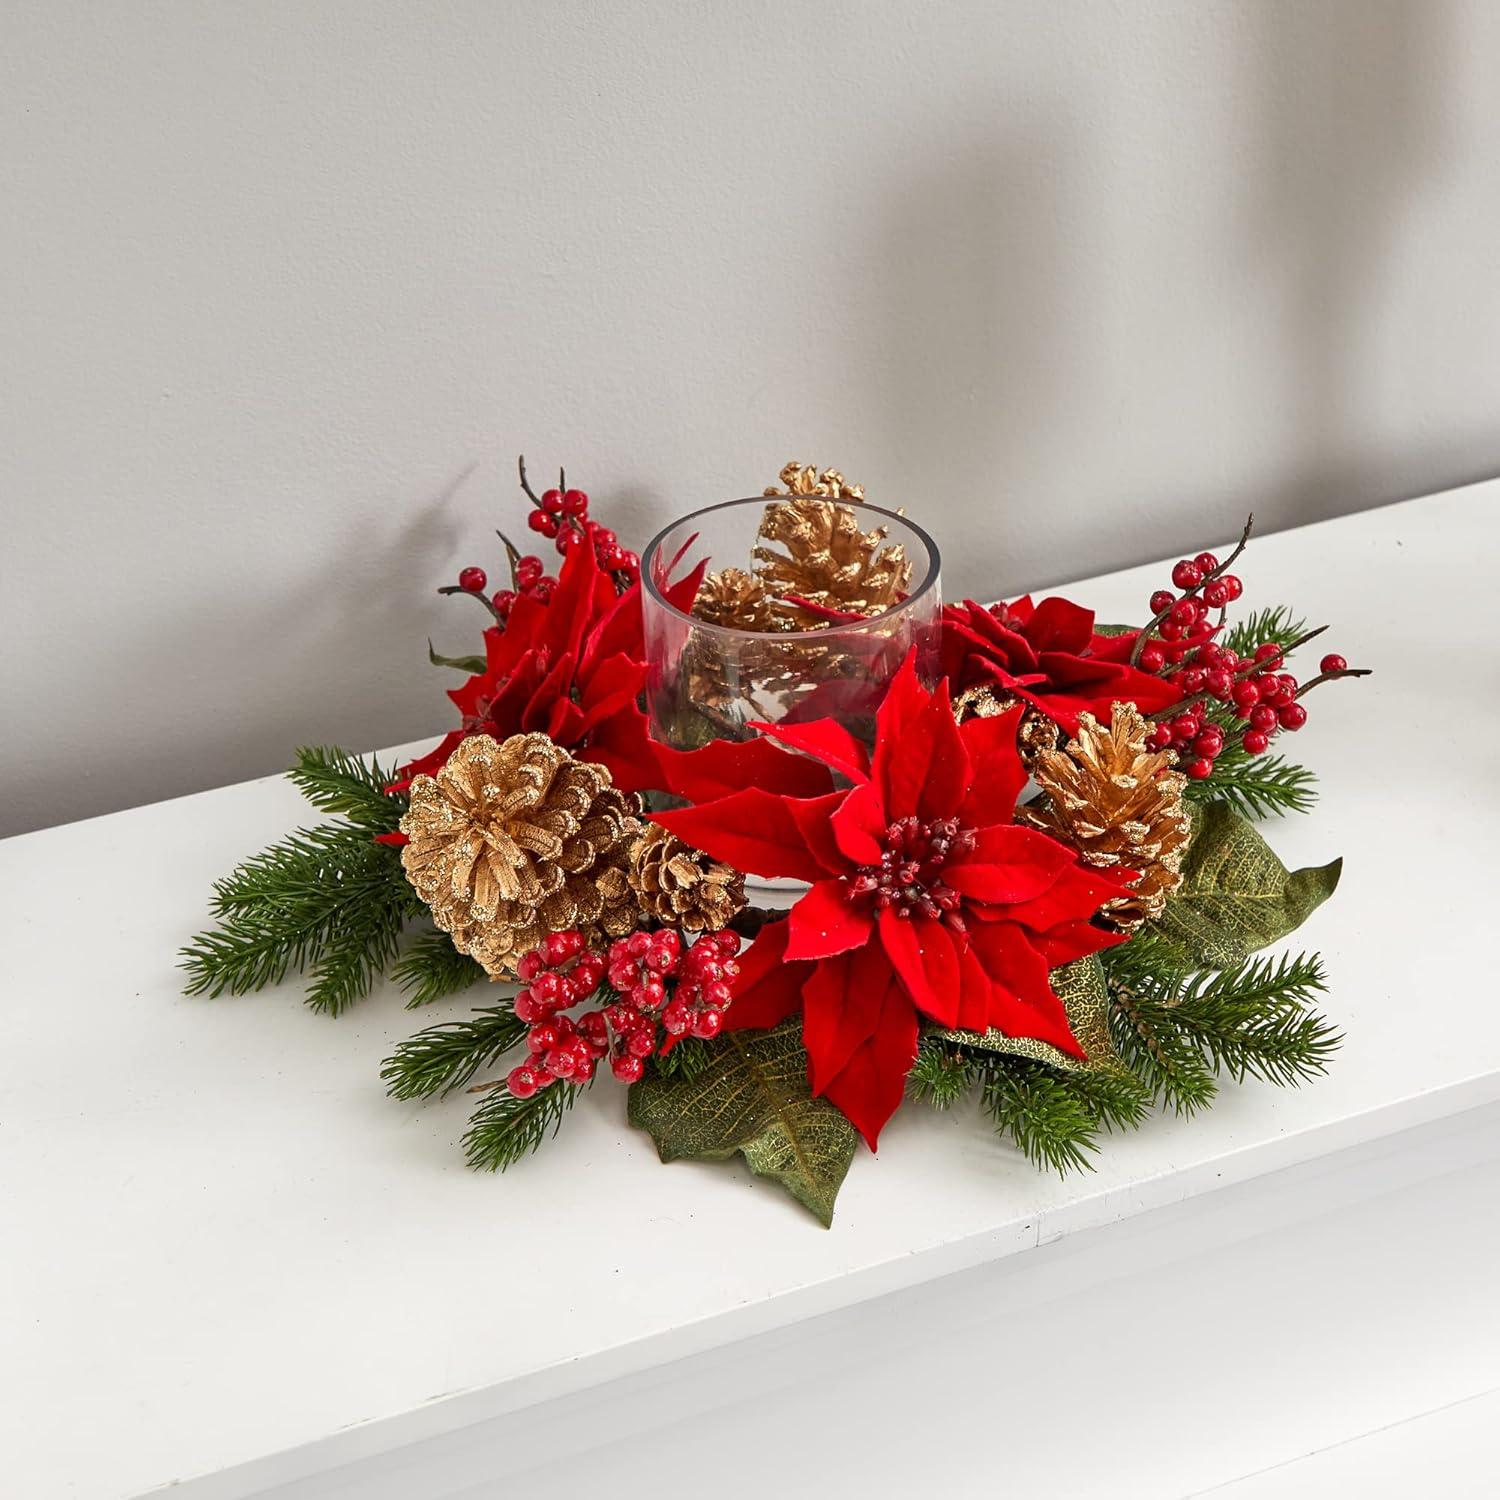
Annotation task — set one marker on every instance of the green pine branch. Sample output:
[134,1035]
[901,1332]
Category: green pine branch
[686,1060]
[328,901]
[942,1074]
[443,1058]
[1254,785]
[342,784]
[504,1128]
[432,969]
[1277,624]
[1056,1118]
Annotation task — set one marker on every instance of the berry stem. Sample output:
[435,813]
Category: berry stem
[1161,615]
[1309,685]
[453,588]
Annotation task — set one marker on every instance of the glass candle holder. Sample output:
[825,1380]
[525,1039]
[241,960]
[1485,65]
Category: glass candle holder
[713,681]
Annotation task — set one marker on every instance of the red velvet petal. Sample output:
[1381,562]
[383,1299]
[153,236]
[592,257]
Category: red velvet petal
[1022,1002]
[826,740]
[859,824]
[921,765]
[974,990]
[1070,940]
[904,949]
[429,764]
[998,774]
[824,923]
[681,594]
[623,747]
[1077,893]
[841,1005]
[397,840]
[1060,625]
[723,767]
[940,947]
[871,1085]
[814,817]
[754,831]
[767,989]
[1009,864]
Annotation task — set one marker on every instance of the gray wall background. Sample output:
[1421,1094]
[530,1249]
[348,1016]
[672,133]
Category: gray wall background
[285,286]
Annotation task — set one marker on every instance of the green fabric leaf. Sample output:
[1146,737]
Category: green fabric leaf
[469,664]
[1236,896]
[1081,988]
[753,1099]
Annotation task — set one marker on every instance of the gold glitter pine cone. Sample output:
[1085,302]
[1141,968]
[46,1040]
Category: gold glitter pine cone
[735,598]
[1120,805]
[512,840]
[827,559]
[1036,732]
[682,887]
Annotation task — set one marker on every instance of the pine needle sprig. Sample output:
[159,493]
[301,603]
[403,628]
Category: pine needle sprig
[336,782]
[941,1075]
[1254,785]
[1276,624]
[327,899]
[1255,1021]
[443,1058]
[1159,1053]
[505,1128]
[432,969]
[686,1060]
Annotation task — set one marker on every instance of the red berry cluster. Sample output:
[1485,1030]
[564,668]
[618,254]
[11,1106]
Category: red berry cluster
[1180,621]
[560,973]
[563,515]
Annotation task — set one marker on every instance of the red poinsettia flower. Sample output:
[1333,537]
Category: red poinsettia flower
[573,668]
[926,899]
[1050,656]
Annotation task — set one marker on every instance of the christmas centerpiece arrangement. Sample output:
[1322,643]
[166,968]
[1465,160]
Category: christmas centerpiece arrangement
[782,845]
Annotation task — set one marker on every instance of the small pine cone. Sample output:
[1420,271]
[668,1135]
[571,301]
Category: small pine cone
[1120,805]
[735,598]
[1036,734]
[804,479]
[512,840]
[682,887]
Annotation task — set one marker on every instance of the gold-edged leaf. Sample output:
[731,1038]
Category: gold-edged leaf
[469,664]
[1236,896]
[1085,996]
[752,1098]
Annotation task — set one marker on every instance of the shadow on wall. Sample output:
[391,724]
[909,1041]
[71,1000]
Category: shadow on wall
[1354,135]
[984,343]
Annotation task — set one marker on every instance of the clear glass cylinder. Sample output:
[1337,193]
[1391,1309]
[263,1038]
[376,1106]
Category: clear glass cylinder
[712,681]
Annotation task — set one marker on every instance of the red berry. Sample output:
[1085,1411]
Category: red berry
[1153,659]
[473,579]
[1292,716]
[611,558]
[559,947]
[561,1062]
[1229,657]
[575,503]
[1200,769]
[526,1008]
[542,1037]
[1169,630]
[707,1024]
[522,1082]
[530,966]
[542,590]
[728,943]
[641,1042]
[568,539]
[1187,574]
[1206,561]
[627,1069]
[552,501]
[529,570]
[603,537]
[1159,737]
[1193,679]
[540,521]
[1184,612]
[1216,594]
[1268,651]
[1162,599]
[1255,742]
[1333,662]
[1263,718]
[1209,743]
[1235,587]
[630,562]
[1186,726]
[1245,693]
[504,601]
[650,993]
[1219,682]
[594,1028]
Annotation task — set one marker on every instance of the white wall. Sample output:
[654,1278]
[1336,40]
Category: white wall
[285,286]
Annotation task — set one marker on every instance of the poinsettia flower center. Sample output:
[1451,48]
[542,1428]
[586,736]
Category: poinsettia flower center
[915,853]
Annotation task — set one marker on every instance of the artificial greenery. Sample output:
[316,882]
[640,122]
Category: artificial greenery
[505,1127]
[443,1058]
[328,901]
[431,969]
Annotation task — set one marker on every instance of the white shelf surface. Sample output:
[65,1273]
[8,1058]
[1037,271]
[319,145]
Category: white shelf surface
[223,1246]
